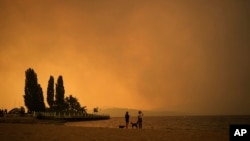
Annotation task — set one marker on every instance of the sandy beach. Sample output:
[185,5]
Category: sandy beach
[54,132]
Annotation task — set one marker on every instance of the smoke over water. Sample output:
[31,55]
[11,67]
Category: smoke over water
[177,56]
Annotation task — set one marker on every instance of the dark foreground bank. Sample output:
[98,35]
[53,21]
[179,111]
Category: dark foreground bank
[52,132]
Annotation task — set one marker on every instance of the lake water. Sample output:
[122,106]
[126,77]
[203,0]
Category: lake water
[218,123]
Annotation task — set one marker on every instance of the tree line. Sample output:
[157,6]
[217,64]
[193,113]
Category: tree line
[34,99]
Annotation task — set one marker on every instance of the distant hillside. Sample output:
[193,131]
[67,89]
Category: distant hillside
[120,112]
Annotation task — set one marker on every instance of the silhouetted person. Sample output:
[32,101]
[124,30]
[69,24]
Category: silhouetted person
[140,119]
[127,119]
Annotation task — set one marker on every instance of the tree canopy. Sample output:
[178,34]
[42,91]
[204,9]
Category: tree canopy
[33,97]
[34,100]
[60,103]
[72,103]
[50,92]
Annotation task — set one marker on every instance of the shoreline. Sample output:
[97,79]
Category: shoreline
[28,120]
[47,118]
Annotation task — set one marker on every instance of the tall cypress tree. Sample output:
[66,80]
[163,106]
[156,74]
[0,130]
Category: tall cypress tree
[50,92]
[60,104]
[33,97]
[30,89]
[40,100]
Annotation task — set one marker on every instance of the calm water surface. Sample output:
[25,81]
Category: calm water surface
[172,122]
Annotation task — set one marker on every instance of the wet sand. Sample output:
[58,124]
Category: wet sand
[55,132]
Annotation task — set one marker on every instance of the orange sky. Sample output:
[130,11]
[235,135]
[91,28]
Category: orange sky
[172,55]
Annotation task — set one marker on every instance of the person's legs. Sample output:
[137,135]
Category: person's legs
[140,124]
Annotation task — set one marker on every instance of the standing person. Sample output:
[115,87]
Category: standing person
[127,119]
[140,119]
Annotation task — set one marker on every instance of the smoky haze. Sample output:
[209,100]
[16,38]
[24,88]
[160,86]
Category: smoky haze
[173,55]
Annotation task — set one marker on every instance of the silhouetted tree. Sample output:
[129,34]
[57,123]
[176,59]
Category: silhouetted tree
[60,104]
[33,97]
[41,105]
[50,92]
[83,109]
[72,103]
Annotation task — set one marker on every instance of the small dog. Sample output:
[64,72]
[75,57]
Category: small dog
[134,124]
[121,126]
